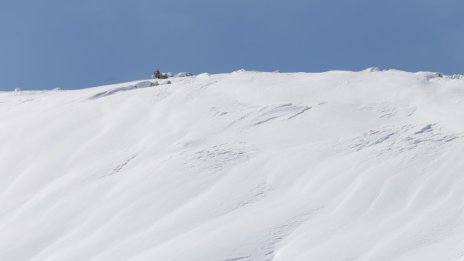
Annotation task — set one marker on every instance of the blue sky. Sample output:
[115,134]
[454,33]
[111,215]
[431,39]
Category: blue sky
[83,43]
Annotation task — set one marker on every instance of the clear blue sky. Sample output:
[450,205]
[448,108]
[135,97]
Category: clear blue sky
[83,43]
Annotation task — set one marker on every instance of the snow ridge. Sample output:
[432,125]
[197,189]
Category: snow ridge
[246,166]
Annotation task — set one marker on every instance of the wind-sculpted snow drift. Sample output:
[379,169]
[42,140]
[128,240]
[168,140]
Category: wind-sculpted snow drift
[336,166]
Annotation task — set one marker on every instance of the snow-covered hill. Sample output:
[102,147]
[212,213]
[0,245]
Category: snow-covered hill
[336,166]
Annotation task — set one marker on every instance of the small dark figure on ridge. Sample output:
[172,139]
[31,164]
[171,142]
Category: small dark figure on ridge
[157,74]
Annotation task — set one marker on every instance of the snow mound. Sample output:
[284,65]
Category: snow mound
[136,85]
[241,166]
[372,69]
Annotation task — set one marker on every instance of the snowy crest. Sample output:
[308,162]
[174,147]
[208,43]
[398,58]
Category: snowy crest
[245,166]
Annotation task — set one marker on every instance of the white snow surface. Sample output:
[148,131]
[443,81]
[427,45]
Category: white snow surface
[334,166]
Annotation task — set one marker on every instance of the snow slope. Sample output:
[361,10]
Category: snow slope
[335,166]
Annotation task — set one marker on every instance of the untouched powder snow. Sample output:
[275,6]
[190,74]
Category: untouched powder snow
[335,166]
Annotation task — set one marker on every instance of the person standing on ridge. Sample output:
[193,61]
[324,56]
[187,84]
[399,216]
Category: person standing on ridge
[157,74]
